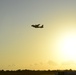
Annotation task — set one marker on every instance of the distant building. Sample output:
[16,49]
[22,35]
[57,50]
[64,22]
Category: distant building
[66,73]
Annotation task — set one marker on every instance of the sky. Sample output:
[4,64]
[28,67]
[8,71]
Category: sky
[25,47]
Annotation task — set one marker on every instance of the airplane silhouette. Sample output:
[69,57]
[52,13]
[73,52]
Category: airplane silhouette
[37,26]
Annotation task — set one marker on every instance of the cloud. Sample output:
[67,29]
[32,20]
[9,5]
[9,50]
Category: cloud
[68,65]
[31,65]
[52,63]
[41,63]
[35,64]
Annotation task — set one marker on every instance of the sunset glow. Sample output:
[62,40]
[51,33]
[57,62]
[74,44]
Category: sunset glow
[24,47]
[67,46]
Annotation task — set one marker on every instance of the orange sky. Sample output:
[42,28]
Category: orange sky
[24,47]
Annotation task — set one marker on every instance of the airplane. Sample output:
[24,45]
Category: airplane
[37,26]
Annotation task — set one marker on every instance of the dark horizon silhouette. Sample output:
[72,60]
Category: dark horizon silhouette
[37,34]
[38,72]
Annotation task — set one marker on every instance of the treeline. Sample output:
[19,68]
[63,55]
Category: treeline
[24,72]
[35,72]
